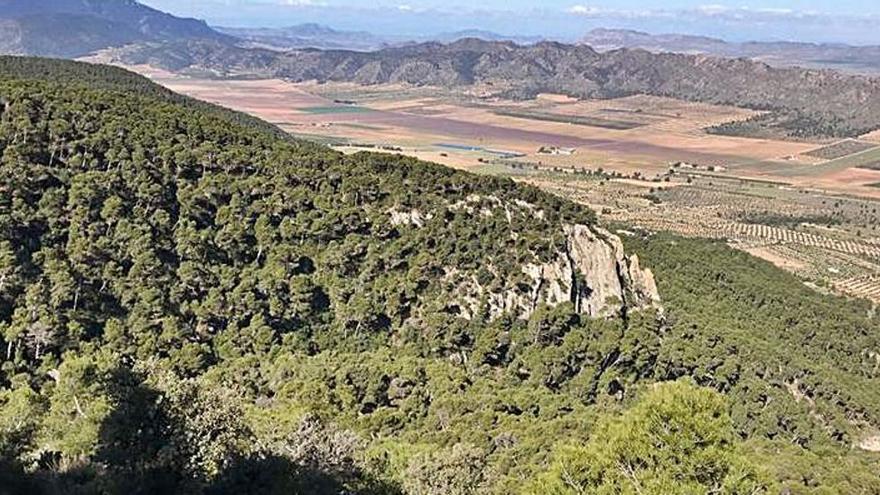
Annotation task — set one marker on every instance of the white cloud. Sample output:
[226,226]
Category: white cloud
[713,9]
[303,3]
[584,10]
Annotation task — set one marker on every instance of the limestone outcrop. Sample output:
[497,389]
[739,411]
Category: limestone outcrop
[592,272]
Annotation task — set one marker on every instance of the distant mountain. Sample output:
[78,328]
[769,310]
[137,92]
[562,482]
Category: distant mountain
[313,35]
[307,36]
[602,39]
[72,28]
[801,103]
[779,53]
[483,35]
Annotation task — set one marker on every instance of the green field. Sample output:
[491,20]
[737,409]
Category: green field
[331,109]
[366,127]
[322,139]
[841,149]
[866,159]
[863,159]
[619,125]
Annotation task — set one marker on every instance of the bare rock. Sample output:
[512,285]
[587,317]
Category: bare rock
[592,272]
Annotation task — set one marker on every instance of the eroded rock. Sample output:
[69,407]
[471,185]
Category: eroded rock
[592,272]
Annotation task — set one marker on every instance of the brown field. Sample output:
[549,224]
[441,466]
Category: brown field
[664,131]
[669,130]
[873,137]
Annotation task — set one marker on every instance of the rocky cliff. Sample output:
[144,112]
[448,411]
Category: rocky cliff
[589,269]
[592,272]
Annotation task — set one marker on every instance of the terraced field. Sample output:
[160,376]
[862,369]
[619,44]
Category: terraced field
[867,287]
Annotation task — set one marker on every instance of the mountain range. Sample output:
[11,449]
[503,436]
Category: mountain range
[780,53]
[74,28]
[799,102]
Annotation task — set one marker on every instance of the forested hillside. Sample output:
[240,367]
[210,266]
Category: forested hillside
[192,303]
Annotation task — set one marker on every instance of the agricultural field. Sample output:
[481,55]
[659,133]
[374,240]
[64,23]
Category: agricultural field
[334,109]
[465,129]
[650,130]
[832,242]
[647,162]
[841,149]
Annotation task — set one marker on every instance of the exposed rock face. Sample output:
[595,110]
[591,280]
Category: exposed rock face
[593,273]
[589,269]
[413,217]
[870,444]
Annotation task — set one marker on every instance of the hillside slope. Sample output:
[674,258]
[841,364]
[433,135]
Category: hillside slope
[189,304]
[73,28]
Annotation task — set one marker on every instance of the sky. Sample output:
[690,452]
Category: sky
[847,21]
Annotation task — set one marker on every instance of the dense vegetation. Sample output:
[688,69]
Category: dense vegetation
[193,304]
[102,77]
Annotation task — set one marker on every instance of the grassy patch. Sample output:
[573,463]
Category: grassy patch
[866,159]
[352,125]
[331,109]
[619,125]
[858,160]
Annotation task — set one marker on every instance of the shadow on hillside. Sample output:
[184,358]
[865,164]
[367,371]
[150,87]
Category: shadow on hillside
[140,454]
[270,475]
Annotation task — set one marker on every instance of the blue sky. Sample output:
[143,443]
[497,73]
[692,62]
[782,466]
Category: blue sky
[853,21]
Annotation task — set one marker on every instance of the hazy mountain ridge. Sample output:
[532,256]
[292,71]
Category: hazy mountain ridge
[72,28]
[308,35]
[311,35]
[780,53]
